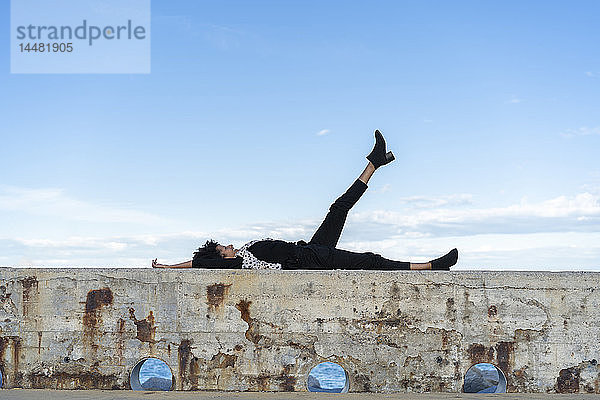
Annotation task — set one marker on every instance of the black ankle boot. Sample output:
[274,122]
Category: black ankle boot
[378,156]
[445,262]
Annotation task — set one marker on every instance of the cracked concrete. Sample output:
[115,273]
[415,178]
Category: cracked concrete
[233,330]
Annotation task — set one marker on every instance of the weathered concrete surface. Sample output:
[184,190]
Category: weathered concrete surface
[233,330]
[38,394]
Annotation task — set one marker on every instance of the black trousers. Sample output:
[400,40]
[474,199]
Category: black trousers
[320,252]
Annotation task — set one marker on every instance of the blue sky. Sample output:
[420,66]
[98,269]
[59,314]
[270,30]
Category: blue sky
[258,114]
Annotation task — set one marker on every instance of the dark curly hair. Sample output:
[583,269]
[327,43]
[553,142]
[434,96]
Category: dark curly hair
[207,256]
[209,250]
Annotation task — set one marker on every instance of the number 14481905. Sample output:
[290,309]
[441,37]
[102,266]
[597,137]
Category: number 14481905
[46,47]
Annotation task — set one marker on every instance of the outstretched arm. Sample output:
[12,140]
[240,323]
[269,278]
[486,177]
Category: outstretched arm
[187,264]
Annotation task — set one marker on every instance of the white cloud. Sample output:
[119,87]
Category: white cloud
[592,74]
[323,132]
[558,233]
[435,202]
[554,215]
[76,243]
[515,100]
[56,203]
[582,131]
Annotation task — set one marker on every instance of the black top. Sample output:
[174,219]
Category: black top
[274,251]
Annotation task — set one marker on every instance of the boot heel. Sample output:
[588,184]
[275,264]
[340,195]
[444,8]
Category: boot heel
[389,157]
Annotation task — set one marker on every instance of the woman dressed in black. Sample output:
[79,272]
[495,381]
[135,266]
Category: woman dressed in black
[320,252]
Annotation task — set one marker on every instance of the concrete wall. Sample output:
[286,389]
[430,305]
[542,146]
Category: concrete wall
[264,330]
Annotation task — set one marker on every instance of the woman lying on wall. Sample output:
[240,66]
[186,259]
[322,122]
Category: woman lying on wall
[320,253]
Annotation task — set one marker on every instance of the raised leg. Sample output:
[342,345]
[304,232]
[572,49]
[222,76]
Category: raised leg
[330,230]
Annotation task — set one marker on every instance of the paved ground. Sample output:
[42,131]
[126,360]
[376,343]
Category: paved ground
[14,394]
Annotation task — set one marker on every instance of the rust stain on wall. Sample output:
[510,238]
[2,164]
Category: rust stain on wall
[75,379]
[92,316]
[261,383]
[28,284]
[222,360]
[93,304]
[244,307]
[120,339]
[252,332]
[505,357]
[184,355]
[6,303]
[283,381]
[568,380]
[215,295]
[527,335]
[145,327]
[14,344]
[450,309]
[584,377]
[287,383]
[198,373]
[98,298]
[30,292]
[479,353]
[361,383]
[4,295]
